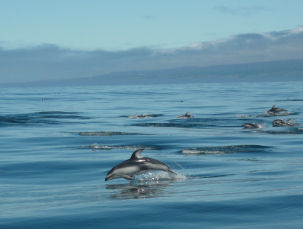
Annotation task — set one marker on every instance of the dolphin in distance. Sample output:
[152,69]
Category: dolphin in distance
[277,111]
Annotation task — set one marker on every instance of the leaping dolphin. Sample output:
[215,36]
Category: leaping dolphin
[137,164]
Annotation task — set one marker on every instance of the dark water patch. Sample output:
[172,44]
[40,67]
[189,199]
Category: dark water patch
[289,100]
[254,120]
[60,115]
[224,114]
[284,130]
[179,125]
[276,173]
[197,123]
[141,116]
[46,117]
[278,114]
[250,160]
[113,142]
[226,149]
[209,176]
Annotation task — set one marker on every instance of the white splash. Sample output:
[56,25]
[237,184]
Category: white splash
[158,176]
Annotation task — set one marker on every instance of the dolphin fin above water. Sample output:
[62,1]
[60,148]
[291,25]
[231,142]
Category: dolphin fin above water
[136,154]
[137,164]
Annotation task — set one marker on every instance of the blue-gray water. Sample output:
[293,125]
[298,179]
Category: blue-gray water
[58,143]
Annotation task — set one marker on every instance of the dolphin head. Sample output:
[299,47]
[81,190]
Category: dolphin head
[110,175]
[125,169]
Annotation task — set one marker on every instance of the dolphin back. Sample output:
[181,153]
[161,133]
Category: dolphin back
[157,165]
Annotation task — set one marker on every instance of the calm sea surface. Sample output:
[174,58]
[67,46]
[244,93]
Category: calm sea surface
[58,143]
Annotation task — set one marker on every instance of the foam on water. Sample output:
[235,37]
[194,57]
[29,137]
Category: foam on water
[157,176]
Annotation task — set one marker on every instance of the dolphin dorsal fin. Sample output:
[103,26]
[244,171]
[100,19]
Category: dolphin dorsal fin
[137,154]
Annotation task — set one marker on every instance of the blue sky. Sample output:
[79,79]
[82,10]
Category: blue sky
[61,39]
[124,24]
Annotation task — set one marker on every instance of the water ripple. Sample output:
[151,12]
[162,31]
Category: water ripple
[226,149]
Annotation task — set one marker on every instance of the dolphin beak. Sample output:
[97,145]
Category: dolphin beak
[108,177]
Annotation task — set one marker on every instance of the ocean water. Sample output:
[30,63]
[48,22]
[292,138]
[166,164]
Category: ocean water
[58,143]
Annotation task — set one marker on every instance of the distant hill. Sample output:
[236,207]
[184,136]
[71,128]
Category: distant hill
[288,70]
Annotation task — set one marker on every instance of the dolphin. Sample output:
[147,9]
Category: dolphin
[281,122]
[186,115]
[137,164]
[277,110]
[248,125]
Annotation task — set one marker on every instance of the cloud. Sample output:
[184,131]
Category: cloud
[48,62]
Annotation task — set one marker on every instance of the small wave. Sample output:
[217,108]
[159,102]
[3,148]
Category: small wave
[179,125]
[60,115]
[289,100]
[265,114]
[198,123]
[284,130]
[245,116]
[44,117]
[225,149]
[104,133]
[141,116]
[126,147]
[198,151]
